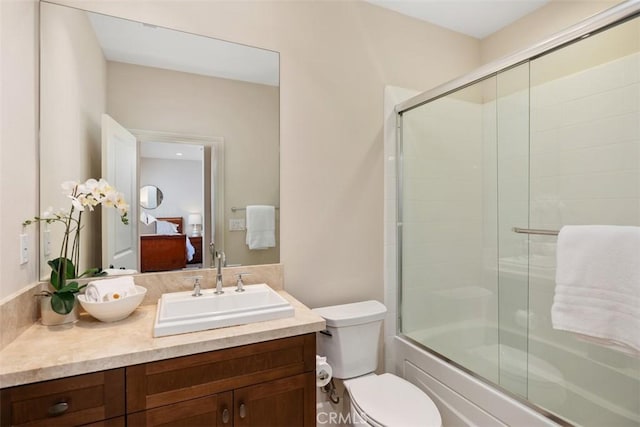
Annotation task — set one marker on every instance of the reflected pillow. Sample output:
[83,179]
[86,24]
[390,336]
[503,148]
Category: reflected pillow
[166,227]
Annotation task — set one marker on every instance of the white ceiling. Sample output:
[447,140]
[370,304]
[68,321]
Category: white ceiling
[476,18]
[171,151]
[136,43]
[142,44]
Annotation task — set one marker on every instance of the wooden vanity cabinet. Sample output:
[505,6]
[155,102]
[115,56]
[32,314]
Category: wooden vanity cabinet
[270,383]
[265,384]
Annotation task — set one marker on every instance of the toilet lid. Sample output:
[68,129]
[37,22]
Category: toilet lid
[389,400]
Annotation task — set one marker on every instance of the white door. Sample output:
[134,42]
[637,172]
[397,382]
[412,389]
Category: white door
[119,168]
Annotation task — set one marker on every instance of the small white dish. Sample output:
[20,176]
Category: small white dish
[112,311]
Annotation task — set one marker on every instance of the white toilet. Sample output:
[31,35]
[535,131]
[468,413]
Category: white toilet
[350,344]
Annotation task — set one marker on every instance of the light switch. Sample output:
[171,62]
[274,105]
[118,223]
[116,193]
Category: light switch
[24,249]
[237,224]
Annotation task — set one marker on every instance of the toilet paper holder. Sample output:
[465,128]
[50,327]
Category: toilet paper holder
[331,390]
[323,375]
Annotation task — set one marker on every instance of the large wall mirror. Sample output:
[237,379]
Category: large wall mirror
[140,106]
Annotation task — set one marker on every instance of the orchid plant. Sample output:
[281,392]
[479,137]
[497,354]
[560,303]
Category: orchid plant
[84,197]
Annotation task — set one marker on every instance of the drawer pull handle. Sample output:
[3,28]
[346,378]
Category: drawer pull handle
[243,410]
[225,416]
[59,408]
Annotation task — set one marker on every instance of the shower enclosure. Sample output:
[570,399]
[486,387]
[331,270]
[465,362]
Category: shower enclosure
[484,168]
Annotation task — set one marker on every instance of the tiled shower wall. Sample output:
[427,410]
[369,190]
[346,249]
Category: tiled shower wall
[585,169]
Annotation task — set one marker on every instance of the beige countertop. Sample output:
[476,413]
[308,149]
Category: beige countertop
[45,353]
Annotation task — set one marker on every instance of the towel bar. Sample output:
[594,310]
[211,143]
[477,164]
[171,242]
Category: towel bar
[233,209]
[535,231]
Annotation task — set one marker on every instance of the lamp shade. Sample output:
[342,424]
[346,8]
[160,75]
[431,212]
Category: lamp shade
[195,219]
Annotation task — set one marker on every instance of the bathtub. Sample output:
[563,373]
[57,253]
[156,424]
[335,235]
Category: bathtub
[558,380]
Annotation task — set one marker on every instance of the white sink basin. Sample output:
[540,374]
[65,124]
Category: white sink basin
[180,312]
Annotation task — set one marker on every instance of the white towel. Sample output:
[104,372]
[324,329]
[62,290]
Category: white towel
[146,218]
[120,271]
[261,227]
[110,289]
[597,291]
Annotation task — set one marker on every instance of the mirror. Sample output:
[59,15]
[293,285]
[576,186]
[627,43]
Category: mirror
[162,86]
[150,197]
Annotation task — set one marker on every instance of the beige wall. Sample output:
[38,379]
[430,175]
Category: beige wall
[336,58]
[540,25]
[245,114]
[73,98]
[18,140]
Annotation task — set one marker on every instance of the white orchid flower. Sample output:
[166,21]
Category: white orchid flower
[121,204]
[110,199]
[49,213]
[104,187]
[76,203]
[68,187]
[88,187]
[95,189]
[87,200]
[91,183]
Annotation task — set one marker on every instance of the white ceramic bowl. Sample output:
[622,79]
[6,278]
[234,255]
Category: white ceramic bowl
[112,311]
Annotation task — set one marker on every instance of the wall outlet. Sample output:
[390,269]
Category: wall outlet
[46,243]
[237,224]
[24,249]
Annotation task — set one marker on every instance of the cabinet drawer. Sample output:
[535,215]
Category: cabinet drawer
[82,399]
[170,381]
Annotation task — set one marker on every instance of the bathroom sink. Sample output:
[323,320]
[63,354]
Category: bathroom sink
[181,312]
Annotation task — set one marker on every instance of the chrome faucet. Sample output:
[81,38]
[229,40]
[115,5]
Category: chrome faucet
[220,259]
[196,286]
[240,283]
[212,250]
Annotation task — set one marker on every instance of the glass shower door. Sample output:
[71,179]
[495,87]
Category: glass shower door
[449,291]
[550,142]
[585,169]
[513,211]
[464,186]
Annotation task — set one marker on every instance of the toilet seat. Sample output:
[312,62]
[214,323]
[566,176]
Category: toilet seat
[388,400]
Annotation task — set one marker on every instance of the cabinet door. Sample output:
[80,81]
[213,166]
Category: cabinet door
[208,411]
[286,402]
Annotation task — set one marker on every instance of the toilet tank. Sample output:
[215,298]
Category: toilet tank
[350,341]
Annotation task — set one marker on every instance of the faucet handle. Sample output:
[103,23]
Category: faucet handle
[240,283]
[196,286]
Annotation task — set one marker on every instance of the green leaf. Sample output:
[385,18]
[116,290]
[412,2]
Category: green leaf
[55,265]
[70,287]
[63,302]
[93,272]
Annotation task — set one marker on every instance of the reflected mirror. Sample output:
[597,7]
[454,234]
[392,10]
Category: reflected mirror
[150,197]
[157,88]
